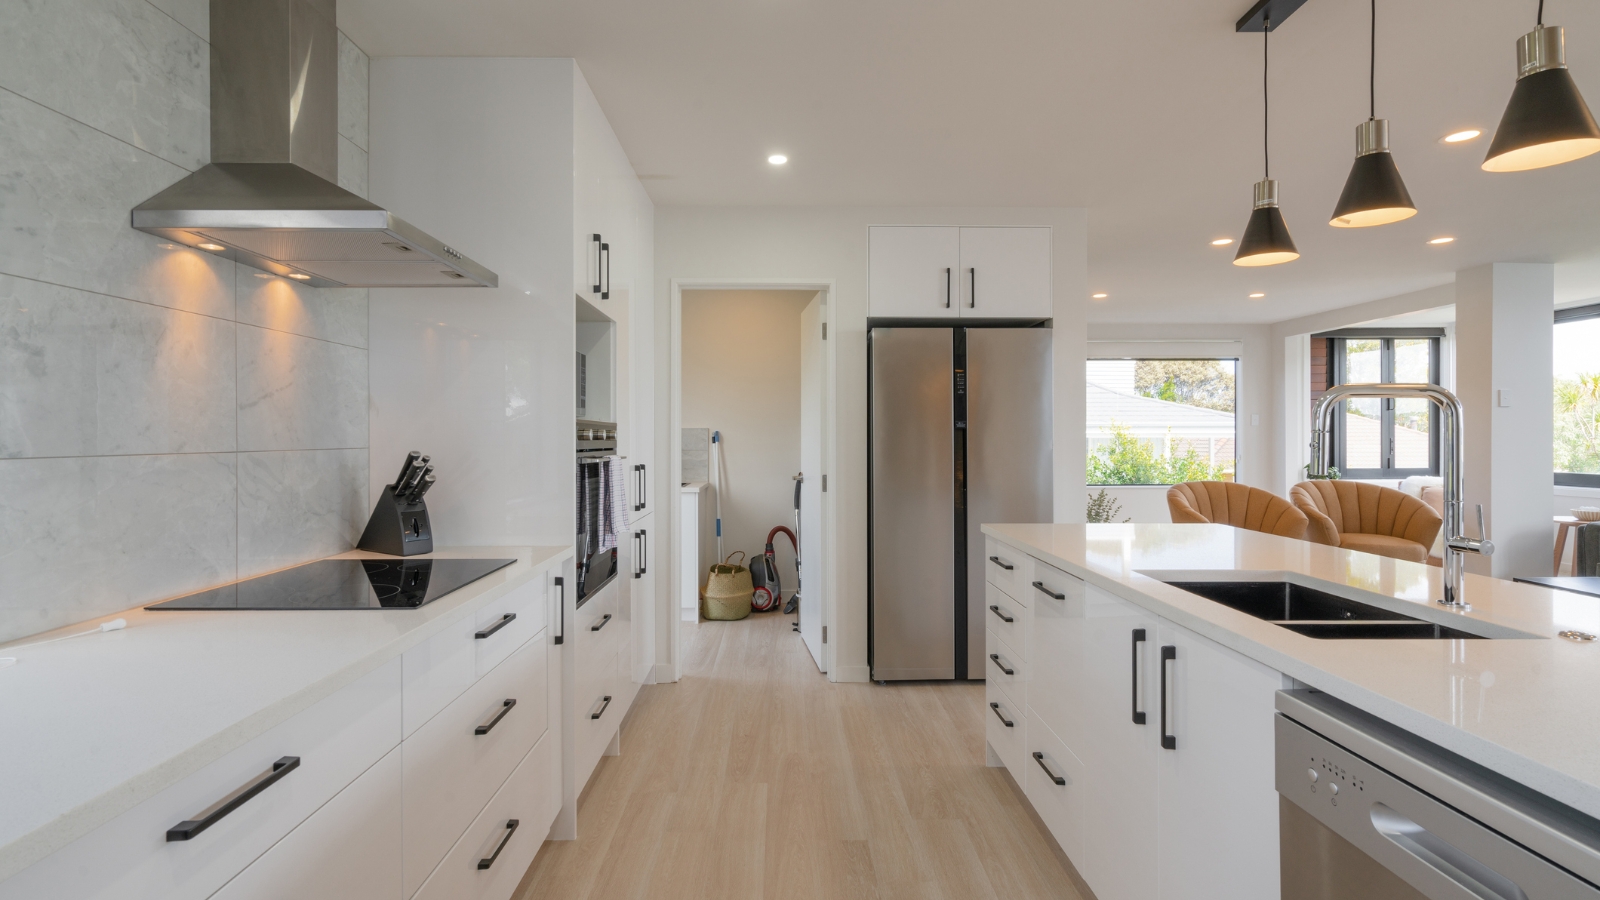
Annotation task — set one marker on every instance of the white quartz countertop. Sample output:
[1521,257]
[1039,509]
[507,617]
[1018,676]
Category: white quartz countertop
[1526,708]
[91,726]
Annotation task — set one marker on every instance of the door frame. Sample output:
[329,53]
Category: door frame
[825,575]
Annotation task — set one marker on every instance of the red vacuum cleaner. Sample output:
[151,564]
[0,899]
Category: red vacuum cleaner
[764,574]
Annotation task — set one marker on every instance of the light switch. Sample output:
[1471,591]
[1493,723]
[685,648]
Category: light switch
[1502,398]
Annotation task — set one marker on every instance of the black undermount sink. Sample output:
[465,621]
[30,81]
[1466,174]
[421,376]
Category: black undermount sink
[1318,614]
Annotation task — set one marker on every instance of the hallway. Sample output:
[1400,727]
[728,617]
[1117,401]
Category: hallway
[754,777]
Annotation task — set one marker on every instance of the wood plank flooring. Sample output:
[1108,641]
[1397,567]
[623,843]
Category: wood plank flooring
[754,777]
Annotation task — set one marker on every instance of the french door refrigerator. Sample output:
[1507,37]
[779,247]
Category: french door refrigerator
[959,436]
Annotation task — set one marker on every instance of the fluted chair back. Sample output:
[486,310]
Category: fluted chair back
[1239,505]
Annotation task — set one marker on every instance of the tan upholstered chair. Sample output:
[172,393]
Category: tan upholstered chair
[1239,505]
[1368,518]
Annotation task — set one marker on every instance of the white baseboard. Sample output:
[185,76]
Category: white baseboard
[850,673]
[661,673]
[690,615]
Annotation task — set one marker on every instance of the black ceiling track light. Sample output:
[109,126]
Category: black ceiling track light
[1266,240]
[1546,122]
[1374,194]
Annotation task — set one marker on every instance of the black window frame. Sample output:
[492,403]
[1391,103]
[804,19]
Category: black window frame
[1386,337]
[1576,314]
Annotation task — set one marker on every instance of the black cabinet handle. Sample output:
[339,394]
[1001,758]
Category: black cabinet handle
[562,600]
[1001,563]
[973,303]
[1039,758]
[947,287]
[188,828]
[505,620]
[1138,714]
[487,861]
[1169,741]
[604,621]
[604,702]
[1003,720]
[1003,617]
[597,245]
[488,726]
[1003,667]
[605,250]
[644,485]
[1039,585]
[644,551]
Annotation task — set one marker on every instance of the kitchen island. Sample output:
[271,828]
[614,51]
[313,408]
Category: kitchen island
[1182,757]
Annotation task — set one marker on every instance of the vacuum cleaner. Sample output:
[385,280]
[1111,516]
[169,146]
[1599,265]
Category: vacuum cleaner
[764,574]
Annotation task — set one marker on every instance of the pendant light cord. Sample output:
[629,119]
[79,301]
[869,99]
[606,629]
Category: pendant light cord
[1266,150]
[1372,66]
[1541,13]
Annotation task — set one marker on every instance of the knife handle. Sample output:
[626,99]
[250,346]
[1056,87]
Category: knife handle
[418,473]
[405,468]
[427,482]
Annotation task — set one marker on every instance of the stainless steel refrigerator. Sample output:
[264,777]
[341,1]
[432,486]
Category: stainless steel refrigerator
[959,434]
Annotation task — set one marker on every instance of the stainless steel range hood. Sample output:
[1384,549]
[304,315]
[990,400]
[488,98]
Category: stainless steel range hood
[270,199]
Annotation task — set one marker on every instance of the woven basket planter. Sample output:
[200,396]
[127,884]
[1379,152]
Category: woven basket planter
[728,590]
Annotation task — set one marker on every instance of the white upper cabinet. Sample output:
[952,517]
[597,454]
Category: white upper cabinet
[1005,273]
[911,270]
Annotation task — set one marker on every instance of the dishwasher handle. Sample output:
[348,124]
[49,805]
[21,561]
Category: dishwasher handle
[1443,857]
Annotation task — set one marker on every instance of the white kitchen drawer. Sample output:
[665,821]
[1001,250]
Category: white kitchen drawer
[129,858]
[501,636]
[348,850]
[598,711]
[1000,658]
[451,770]
[531,797]
[1007,740]
[437,670]
[594,611]
[1049,582]
[1058,680]
[1008,569]
[1061,806]
[1008,619]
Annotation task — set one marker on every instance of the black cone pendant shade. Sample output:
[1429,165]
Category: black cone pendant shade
[1266,240]
[1546,123]
[1374,194]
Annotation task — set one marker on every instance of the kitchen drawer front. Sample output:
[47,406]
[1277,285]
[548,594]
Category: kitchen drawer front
[526,603]
[1013,580]
[1007,740]
[999,657]
[1061,806]
[438,670]
[596,718]
[129,858]
[451,771]
[348,850]
[1050,583]
[1008,619]
[532,797]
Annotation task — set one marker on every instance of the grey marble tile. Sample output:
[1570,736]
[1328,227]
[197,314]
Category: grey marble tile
[65,194]
[194,15]
[121,66]
[332,314]
[298,393]
[84,374]
[352,167]
[352,93]
[299,505]
[86,537]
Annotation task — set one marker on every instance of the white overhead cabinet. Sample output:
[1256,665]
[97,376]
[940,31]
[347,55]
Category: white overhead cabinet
[948,271]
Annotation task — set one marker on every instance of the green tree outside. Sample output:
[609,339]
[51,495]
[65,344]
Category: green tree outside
[1128,460]
[1577,444]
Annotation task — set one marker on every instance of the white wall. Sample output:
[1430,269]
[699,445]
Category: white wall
[823,245]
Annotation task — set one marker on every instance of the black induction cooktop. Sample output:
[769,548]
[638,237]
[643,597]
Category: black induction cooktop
[345,584]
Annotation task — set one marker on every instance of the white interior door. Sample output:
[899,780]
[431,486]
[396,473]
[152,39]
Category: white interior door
[811,369]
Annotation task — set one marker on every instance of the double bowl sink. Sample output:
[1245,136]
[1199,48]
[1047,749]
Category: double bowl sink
[1319,614]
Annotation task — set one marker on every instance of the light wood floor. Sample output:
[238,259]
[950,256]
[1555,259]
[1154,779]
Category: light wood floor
[754,777]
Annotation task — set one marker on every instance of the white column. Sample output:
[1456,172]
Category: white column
[1503,336]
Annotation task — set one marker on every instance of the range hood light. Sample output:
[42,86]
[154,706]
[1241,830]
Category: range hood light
[214,248]
[298,276]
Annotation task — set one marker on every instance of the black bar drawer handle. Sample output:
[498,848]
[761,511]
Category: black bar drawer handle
[1039,758]
[605,248]
[1169,741]
[973,299]
[562,602]
[596,241]
[604,621]
[487,861]
[1003,617]
[185,830]
[1003,720]
[1138,714]
[1039,585]
[1003,667]
[505,620]
[604,702]
[488,726]
[1001,563]
[946,288]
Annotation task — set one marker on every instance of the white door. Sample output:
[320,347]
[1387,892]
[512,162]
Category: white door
[1218,810]
[1005,273]
[811,320]
[912,269]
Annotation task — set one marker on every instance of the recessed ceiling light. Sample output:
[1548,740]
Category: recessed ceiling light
[1441,240]
[777,159]
[263,274]
[1457,137]
[299,276]
[211,247]
[1099,296]
[1221,242]
[1257,295]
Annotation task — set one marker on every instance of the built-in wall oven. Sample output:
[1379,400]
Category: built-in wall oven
[1367,811]
[597,443]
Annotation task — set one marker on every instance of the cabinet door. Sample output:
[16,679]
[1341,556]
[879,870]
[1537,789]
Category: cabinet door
[1119,750]
[1005,273]
[1218,808]
[911,270]
[644,601]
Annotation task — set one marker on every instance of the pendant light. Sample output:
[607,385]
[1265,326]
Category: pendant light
[1266,240]
[1546,123]
[1374,193]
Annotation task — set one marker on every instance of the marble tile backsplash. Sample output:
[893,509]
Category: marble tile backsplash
[168,420]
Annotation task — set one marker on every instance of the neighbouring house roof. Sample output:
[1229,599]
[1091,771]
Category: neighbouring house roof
[1146,415]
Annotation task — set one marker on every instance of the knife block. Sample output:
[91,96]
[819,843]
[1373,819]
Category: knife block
[398,527]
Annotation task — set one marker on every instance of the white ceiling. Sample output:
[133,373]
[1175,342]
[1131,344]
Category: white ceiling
[1147,113]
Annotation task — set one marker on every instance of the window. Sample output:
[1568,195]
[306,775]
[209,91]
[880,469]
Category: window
[1577,397]
[1385,438]
[1161,421]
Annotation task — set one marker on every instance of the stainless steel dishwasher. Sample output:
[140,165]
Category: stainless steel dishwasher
[1370,812]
